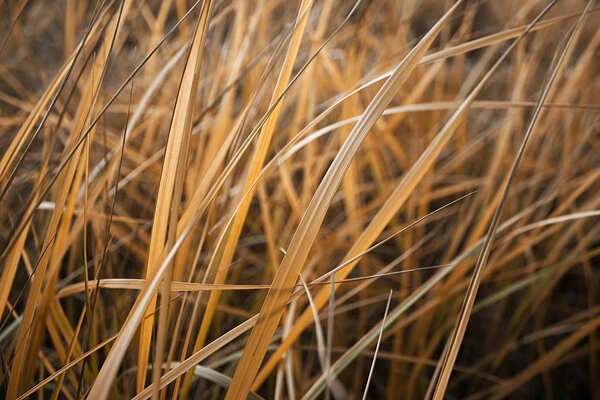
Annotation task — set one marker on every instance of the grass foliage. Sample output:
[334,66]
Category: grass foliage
[299,200]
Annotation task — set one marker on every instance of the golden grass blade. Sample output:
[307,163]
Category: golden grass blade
[138,284]
[305,235]
[231,236]
[169,191]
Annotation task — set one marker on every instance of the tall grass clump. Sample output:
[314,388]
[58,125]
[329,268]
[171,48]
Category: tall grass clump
[299,199]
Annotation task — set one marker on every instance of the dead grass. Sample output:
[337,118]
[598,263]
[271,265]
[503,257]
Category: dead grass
[214,199]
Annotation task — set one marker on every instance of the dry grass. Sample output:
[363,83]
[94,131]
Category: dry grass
[308,199]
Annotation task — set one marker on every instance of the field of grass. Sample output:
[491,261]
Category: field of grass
[309,199]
